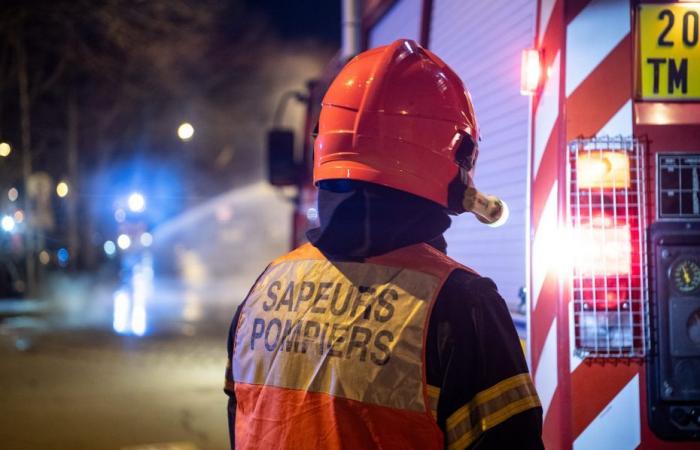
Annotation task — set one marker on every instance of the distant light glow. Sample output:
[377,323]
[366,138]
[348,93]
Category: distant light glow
[124,241]
[146,239]
[193,309]
[193,267]
[130,312]
[5,149]
[185,131]
[122,307]
[44,257]
[120,215]
[224,213]
[136,202]
[312,214]
[138,320]
[109,247]
[13,194]
[7,223]
[62,189]
[530,71]
[19,216]
[62,256]
[142,288]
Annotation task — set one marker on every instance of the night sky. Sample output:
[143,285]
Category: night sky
[303,18]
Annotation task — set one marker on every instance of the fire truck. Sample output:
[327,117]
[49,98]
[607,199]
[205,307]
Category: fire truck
[590,117]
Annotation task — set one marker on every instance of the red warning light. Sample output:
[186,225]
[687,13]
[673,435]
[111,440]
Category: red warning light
[601,249]
[530,71]
[605,294]
[606,235]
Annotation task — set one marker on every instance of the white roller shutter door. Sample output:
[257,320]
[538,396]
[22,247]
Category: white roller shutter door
[482,40]
[401,21]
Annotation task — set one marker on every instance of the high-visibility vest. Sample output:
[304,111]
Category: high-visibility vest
[331,355]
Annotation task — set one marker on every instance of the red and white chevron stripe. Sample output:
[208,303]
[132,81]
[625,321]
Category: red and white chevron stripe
[605,399]
[544,344]
[587,48]
[587,91]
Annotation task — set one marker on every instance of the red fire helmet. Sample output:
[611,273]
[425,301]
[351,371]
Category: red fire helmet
[398,116]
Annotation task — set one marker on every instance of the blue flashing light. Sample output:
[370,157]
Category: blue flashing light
[62,256]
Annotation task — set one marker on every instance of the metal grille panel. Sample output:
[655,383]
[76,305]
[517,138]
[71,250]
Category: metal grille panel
[606,225]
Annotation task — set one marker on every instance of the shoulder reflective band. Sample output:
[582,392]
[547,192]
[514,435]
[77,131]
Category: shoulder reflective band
[433,399]
[346,329]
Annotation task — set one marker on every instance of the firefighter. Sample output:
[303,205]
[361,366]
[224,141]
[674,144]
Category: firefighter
[369,336]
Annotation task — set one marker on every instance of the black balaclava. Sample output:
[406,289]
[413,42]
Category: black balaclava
[360,220]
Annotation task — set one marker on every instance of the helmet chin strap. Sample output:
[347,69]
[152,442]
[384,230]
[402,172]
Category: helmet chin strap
[488,209]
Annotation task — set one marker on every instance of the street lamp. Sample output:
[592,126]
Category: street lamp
[62,189]
[5,149]
[44,257]
[185,131]
[12,194]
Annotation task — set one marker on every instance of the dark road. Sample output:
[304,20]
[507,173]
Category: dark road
[94,390]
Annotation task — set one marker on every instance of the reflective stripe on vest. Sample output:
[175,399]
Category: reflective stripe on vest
[331,354]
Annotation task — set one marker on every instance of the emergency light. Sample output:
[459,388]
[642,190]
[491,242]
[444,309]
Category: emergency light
[603,169]
[606,224]
[601,250]
[530,71]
